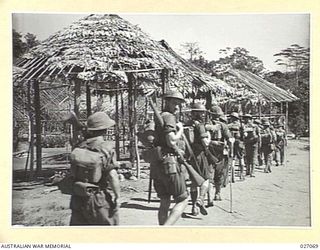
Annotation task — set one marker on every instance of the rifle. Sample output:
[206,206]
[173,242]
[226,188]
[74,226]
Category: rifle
[195,177]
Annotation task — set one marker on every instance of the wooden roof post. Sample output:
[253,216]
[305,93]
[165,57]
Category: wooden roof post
[130,113]
[37,109]
[88,98]
[117,132]
[287,117]
[76,103]
[164,82]
[135,131]
[31,138]
[259,106]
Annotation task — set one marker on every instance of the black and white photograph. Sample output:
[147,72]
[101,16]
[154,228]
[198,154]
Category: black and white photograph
[162,119]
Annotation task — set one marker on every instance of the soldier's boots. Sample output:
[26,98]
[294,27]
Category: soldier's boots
[252,171]
[241,166]
[217,197]
[247,170]
[242,176]
[210,204]
[195,210]
[210,196]
[200,205]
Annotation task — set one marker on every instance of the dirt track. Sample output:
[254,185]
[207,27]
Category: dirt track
[277,199]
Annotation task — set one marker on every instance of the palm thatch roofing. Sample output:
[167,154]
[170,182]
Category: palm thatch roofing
[269,91]
[204,81]
[102,48]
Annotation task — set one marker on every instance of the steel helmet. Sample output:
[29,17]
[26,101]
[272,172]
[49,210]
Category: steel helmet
[223,118]
[174,94]
[235,115]
[216,110]
[249,116]
[198,106]
[257,121]
[99,121]
[265,122]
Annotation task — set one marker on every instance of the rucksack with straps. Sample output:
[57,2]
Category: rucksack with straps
[87,163]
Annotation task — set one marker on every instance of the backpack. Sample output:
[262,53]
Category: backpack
[87,164]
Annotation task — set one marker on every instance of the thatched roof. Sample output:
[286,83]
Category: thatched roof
[202,80]
[269,91]
[102,48]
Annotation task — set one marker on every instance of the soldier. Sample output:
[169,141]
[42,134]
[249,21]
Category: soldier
[260,156]
[220,137]
[251,136]
[199,146]
[280,144]
[168,174]
[236,130]
[267,144]
[91,202]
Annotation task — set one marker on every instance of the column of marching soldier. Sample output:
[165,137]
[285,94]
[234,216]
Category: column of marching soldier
[204,151]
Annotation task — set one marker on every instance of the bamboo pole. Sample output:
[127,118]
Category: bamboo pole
[88,98]
[77,93]
[131,126]
[142,70]
[31,142]
[117,124]
[122,122]
[135,122]
[37,108]
[163,87]
[287,117]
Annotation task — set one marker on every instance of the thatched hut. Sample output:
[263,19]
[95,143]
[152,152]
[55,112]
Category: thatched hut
[103,54]
[257,96]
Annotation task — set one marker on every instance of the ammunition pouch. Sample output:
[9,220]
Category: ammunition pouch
[84,189]
[170,164]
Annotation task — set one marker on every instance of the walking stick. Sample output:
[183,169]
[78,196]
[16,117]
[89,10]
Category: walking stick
[230,180]
[230,183]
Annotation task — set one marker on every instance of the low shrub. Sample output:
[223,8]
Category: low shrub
[54,141]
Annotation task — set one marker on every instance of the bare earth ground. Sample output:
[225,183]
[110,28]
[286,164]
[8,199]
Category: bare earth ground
[277,199]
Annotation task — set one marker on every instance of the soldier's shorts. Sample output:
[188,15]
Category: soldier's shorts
[221,169]
[171,184]
[238,149]
[97,209]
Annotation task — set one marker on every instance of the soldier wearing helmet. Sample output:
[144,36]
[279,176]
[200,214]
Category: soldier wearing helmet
[199,145]
[267,144]
[236,130]
[251,137]
[168,174]
[280,143]
[259,157]
[220,139]
[100,207]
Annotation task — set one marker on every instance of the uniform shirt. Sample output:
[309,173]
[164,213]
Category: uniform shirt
[251,133]
[267,136]
[169,122]
[281,134]
[199,133]
[219,131]
[236,129]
